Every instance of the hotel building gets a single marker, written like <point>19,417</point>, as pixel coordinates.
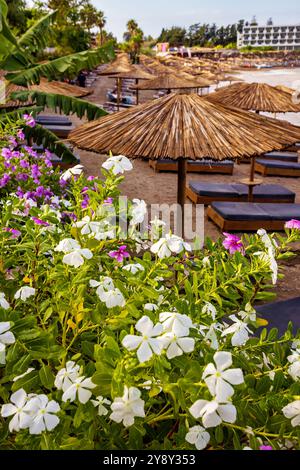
<point>279,37</point>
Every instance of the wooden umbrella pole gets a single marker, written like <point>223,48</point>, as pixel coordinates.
<point>118,93</point>
<point>251,187</point>
<point>137,91</point>
<point>181,183</point>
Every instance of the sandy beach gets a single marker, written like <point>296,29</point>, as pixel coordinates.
<point>156,188</point>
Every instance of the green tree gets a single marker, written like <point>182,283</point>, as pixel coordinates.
<point>101,22</point>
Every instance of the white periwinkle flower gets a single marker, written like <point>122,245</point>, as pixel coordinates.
<point>66,377</point>
<point>44,415</point>
<point>150,307</point>
<point>87,225</point>
<point>74,254</point>
<point>249,314</point>
<point>198,436</point>
<point>213,412</point>
<point>292,411</point>
<point>176,345</point>
<point>24,293</point>
<point>269,259</point>
<point>76,258</point>
<point>210,309</point>
<point>6,337</point>
<point>108,293</point>
<point>147,343</point>
<point>127,407</point>
<point>239,330</point>
<point>133,268</point>
<point>100,402</point>
<point>269,243</point>
<point>81,387</point>
<point>138,211</point>
<point>294,359</point>
<point>67,245</point>
<point>21,408</point>
<point>118,164</point>
<point>156,226</point>
<point>164,247</point>
<point>219,378</point>
<point>74,171</point>
<point>175,322</point>
<point>3,302</point>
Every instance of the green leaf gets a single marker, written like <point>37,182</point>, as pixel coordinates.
<point>68,65</point>
<point>46,377</point>
<point>65,104</point>
<point>37,35</point>
<point>30,382</point>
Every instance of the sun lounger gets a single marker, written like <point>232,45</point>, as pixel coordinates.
<point>281,156</point>
<point>53,120</point>
<point>55,159</point>
<point>284,156</point>
<point>60,131</point>
<point>194,166</point>
<point>277,168</point>
<point>279,314</point>
<point>245,216</point>
<point>206,193</point>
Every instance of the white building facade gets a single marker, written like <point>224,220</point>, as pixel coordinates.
<point>279,37</point>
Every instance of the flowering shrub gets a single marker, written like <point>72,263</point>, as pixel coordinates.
<point>103,346</point>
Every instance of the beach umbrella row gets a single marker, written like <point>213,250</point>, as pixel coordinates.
<point>182,127</point>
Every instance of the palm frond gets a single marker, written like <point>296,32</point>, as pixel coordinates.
<point>37,36</point>
<point>6,115</point>
<point>5,31</point>
<point>42,136</point>
<point>66,104</point>
<point>68,65</point>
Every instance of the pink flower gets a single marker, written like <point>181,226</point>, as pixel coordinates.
<point>29,120</point>
<point>119,254</point>
<point>21,135</point>
<point>265,448</point>
<point>293,223</point>
<point>109,200</point>
<point>14,233</point>
<point>233,243</point>
<point>40,222</point>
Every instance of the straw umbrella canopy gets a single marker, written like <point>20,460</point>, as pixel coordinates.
<point>182,127</point>
<point>286,89</point>
<point>170,81</point>
<point>256,97</point>
<point>137,73</point>
<point>121,64</point>
<point>59,88</point>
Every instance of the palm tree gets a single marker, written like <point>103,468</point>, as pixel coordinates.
<point>101,22</point>
<point>18,63</point>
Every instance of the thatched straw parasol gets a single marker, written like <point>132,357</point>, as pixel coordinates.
<point>137,73</point>
<point>170,81</point>
<point>59,88</point>
<point>121,64</point>
<point>182,127</point>
<point>286,89</point>
<point>256,97</point>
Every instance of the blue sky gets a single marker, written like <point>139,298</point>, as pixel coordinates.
<point>152,15</point>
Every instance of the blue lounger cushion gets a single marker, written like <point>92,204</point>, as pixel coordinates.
<point>278,164</point>
<point>279,314</point>
<point>280,154</point>
<point>199,162</point>
<point>272,191</point>
<point>59,120</point>
<point>256,211</point>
